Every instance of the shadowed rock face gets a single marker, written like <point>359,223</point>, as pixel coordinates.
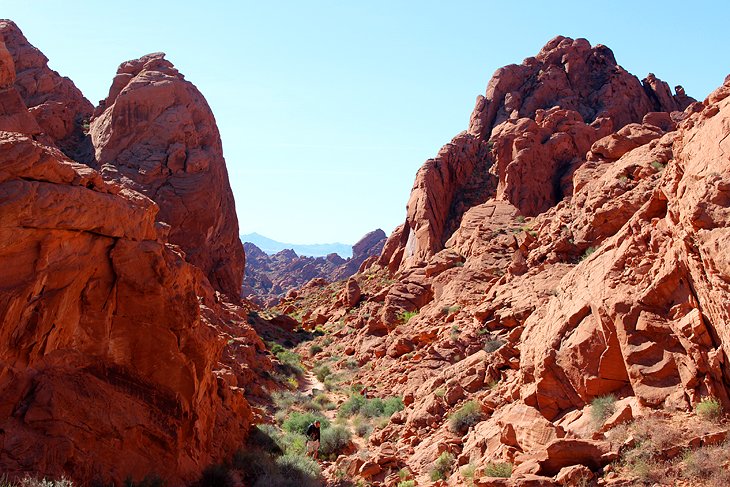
<point>526,136</point>
<point>155,134</point>
<point>59,108</point>
<point>117,357</point>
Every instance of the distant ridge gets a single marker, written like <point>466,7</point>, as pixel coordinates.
<point>271,246</point>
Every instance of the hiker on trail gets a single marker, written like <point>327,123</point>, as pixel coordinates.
<point>364,392</point>
<point>313,440</point>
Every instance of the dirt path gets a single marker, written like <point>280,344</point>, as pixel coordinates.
<point>309,383</point>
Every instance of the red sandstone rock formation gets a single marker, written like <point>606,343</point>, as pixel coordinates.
<point>117,358</point>
<point>59,108</point>
<point>527,135</point>
<point>589,260</point>
<point>269,278</point>
<point>155,134</point>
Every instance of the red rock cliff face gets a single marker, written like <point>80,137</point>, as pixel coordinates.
<point>617,285</point>
<point>117,359</point>
<point>156,134</point>
<point>527,135</point>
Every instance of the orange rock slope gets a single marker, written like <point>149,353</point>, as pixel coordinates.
<point>112,332</point>
<point>569,245</point>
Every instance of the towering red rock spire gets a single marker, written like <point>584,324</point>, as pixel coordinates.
<point>156,134</point>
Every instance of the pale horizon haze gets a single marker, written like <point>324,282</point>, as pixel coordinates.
<point>328,108</point>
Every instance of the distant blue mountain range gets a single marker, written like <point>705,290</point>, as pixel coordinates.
<point>315,250</point>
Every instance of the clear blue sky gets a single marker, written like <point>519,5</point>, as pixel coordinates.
<point>328,108</point>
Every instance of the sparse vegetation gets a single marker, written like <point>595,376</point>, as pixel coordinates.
<point>468,472</point>
<point>493,345</point>
<point>407,483</point>
<point>440,392</point>
<point>297,422</point>
<point>334,440</point>
<point>29,481</point>
<point>709,408</point>
<point>588,252</point>
<point>601,408</point>
<point>405,316</point>
<point>442,466</point>
<point>370,408</point>
<point>321,372</point>
<point>468,415</point>
<point>499,469</point>
<point>658,166</point>
<point>315,349</point>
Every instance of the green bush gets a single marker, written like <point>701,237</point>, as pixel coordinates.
<point>372,408</point>
<point>405,316</point>
<point>298,422</point>
<point>324,402</point>
<point>709,408</point>
<point>293,443</point>
<point>407,483</point>
<point>362,428</point>
<point>352,406</point>
<point>291,361</point>
<point>315,349</point>
<point>503,469</point>
<point>601,408</point>
<point>442,466</point>
<point>469,415</point>
<point>321,372</point>
<point>392,405</point>
<point>334,440</point>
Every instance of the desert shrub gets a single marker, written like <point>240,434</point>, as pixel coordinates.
<point>324,402</point>
<point>34,482</point>
<point>315,349</point>
<point>493,345</point>
<point>321,372</point>
<point>372,408</point>
<point>405,316</point>
<point>362,427</point>
<point>709,409</point>
<point>407,483</point>
<point>290,361</point>
<point>469,415</point>
<point>500,469</point>
<point>601,408</point>
<point>331,383</point>
<point>588,252</point>
<point>334,440</point>
<point>298,422</point>
<point>442,466</point>
<point>352,406</point>
<point>658,165</point>
<point>293,443</point>
<point>440,392</point>
<point>468,471</point>
<point>216,476</point>
<point>392,405</point>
